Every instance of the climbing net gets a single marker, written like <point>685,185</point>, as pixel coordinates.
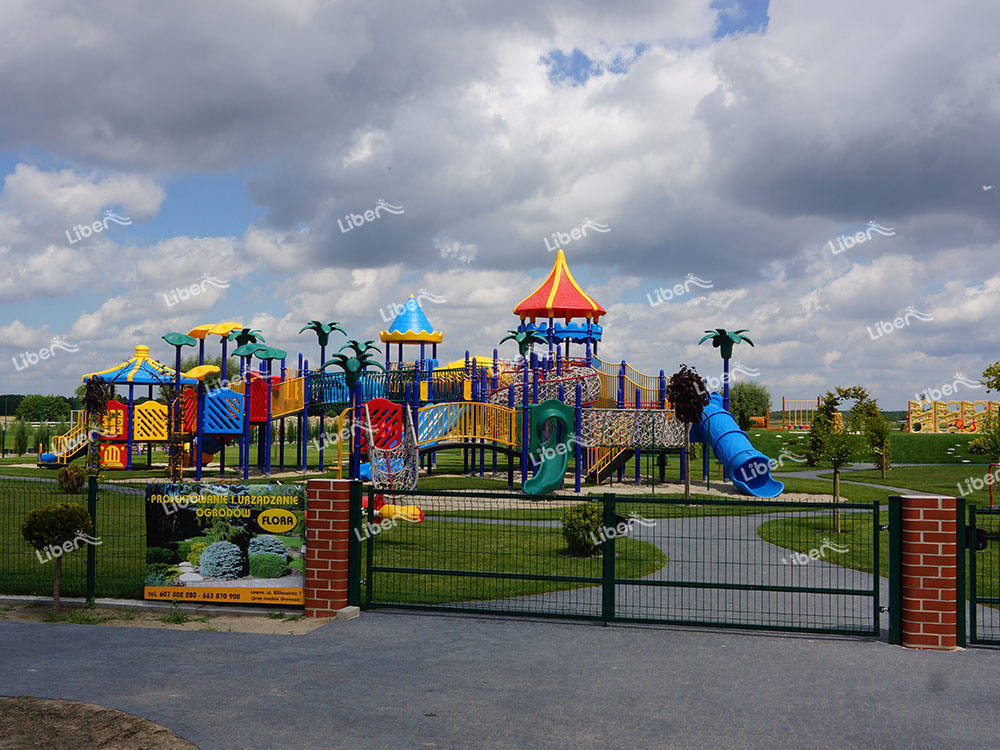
<point>627,428</point>
<point>393,467</point>
<point>587,377</point>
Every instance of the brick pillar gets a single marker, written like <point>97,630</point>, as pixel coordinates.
<point>930,601</point>
<point>327,538</point>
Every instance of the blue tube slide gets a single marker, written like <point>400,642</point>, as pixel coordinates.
<point>749,468</point>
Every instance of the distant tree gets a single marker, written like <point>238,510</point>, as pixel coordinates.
<point>21,437</point>
<point>991,377</point>
<point>987,440</point>
<point>687,395</point>
<point>41,438</point>
<point>47,408</point>
<point>748,400</point>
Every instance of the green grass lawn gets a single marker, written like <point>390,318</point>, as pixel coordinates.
<point>504,548</point>
<point>808,533</point>
<point>805,534</point>
<point>121,526</point>
<point>941,480</point>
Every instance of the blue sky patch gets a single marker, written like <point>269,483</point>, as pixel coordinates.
<point>740,17</point>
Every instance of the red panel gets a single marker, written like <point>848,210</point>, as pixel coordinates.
<point>387,424</point>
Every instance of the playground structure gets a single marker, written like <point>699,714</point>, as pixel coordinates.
<point>535,411</point>
<point>797,415</point>
<point>948,416</point>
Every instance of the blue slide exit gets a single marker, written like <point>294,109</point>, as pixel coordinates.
<point>749,468</point>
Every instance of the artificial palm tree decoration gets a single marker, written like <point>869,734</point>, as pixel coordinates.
<point>524,339</point>
<point>323,331</point>
<point>244,336</point>
<point>724,341</point>
<point>353,367</point>
<point>175,461</point>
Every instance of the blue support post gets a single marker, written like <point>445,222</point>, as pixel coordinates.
<point>558,363</point>
<point>524,428</point>
<point>199,428</point>
<point>304,432</point>
<point>267,425</point>
<point>482,442</point>
<point>577,431</point>
<point>638,407</point>
<point>130,431</point>
<point>590,338</point>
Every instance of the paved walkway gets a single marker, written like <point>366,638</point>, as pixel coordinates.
<point>402,680</point>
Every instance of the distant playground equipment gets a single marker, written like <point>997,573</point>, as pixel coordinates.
<point>393,419</point>
<point>948,416</point>
<point>797,415</point>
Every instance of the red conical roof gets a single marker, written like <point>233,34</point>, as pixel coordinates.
<point>559,296</point>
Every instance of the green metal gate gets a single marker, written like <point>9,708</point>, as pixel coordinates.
<point>984,575</point>
<point>774,565</point>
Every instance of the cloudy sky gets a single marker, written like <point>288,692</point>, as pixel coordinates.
<point>718,154</point>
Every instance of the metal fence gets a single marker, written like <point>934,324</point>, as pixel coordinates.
<point>119,558</point>
<point>755,564</point>
<point>984,575</point>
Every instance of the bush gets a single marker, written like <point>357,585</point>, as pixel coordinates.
<point>224,531</point>
<point>267,565</point>
<point>71,478</point>
<point>221,560</point>
<point>748,400</point>
<point>21,437</point>
<point>55,524</point>
<point>581,525</point>
<point>41,441</point>
<point>160,555</point>
<point>195,550</point>
<point>267,543</point>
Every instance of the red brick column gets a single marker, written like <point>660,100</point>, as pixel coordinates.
<point>327,534</point>
<point>929,572</point>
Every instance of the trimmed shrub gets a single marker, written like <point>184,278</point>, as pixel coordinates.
<point>160,555</point>
<point>54,524</point>
<point>224,531</point>
<point>195,550</point>
<point>71,478</point>
<point>267,565</point>
<point>267,543</point>
<point>221,560</point>
<point>581,525</point>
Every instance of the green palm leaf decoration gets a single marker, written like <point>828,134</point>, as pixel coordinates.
<point>180,339</point>
<point>323,330</point>
<point>354,366</point>
<point>244,336</point>
<point>248,350</point>
<point>724,340</point>
<point>524,340</point>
